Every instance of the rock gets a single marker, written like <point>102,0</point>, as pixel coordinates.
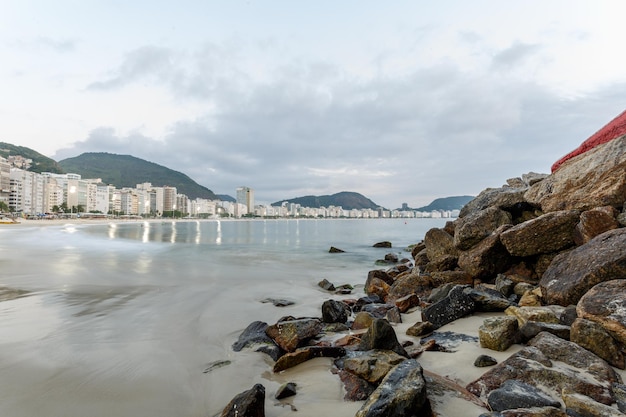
<point>605,304</point>
<point>420,328</point>
<point>498,333</point>
<point>530,329</point>
<point>475,227</point>
<point>531,298</point>
<point>544,314</point>
<point>439,244</point>
<point>573,273</point>
<point>293,333</point>
<point>407,302</point>
<point>621,219</point>
<point>384,244</point>
<point>594,179</point>
<point>288,389</point>
<point>401,394</point>
<point>528,412</point>
<point>413,283</point>
<point>357,389</point>
<point>391,258</point>
<point>326,285</point>
<point>370,299</point>
<point>456,305</point>
<point>278,302</point>
<point>568,316</point>
<point>421,258</point>
<point>488,258</point>
<point>483,361</point>
<point>579,405</point>
<point>594,222</point>
<point>362,320</point>
<point>504,285</point>
<point>451,277</point>
<point>417,248</point>
<point>593,337</point>
<point>378,310</point>
<point>504,198</point>
<point>516,394</point>
<point>373,365</point>
<point>335,250</point>
<point>334,311</point>
<point>619,392</point>
<point>447,341</point>
<point>250,403</point>
<point>291,359</point>
<point>545,234</point>
<point>380,335</point>
<point>552,364</point>
<point>253,334</point>
<point>376,286</point>
<point>487,299</point>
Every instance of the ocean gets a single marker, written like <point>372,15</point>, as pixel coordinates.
<point>138,319</point>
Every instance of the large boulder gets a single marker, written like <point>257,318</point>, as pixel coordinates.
<point>458,303</point>
<point>572,274</point>
<point>553,364</point>
<point>593,179</point>
<point>605,304</point>
<point>593,337</point>
<point>380,335</point>
<point>504,198</point>
<point>595,222</point>
<point>402,393</point>
<point>439,245</point>
<point>473,228</point>
<point>516,394</point>
<point>487,258</point>
<point>372,365</point>
<point>545,234</point>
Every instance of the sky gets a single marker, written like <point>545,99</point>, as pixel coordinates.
<point>401,101</point>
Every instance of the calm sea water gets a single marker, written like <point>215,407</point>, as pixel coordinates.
<point>133,319</point>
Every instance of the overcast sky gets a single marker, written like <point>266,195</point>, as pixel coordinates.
<point>401,101</point>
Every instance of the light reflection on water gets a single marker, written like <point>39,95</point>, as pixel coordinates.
<point>122,319</point>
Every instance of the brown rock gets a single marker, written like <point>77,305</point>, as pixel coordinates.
<point>357,389</point>
<point>420,328</point>
<point>487,258</point>
<point>594,179</point>
<point>362,320</point>
<point>293,333</point>
<point>473,228</point>
<point>372,366</point>
<point>545,314</point>
<point>376,286</point>
<point>413,283</point>
<point>504,198</point>
<point>553,364</point>
<point>439,279</point>
<point>250,403</point>
<point>407,302</point>
<point>417,248</point>
<point>498,333</point>
<point>289,360</point>
<point>380,335</point>
<point>421,258</point>
<point>443,263</point>
<point>594,222</point>
<point>439,244</point>
<point>581,405</point>
<point>545,234</point>
<point>605,304</point>
<point>573,273</point>
<point>594,338</point>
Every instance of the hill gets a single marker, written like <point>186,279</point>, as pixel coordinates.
<point>128,171</point>
<point>347,200</point>
<point>41,163</point>
<point>447,203</point>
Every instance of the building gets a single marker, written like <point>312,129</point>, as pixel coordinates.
<point>169,199</point>
<point>245,196</point>
<point>5,180</point>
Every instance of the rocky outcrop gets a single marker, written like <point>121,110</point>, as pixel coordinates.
<point>555,364</point>
<point>572,274</point>
<point>595,178</point>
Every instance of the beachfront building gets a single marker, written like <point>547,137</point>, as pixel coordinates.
<point>169,199</point>
<point>245,196</point>
<point>5,180</point>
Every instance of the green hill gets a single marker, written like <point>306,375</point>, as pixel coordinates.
<point>128,171</point>
<point>40,164</point>
<point>447,203</point>
<point>347,200</point>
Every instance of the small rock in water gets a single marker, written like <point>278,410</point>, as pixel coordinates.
<point>278,302</point>
<point>214,365</point>
<point>384,244</point>
<point>335,250</point>
<point>326,285</point>
<point>288,389</point>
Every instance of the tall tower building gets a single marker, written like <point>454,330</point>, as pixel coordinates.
<point>245,195</point>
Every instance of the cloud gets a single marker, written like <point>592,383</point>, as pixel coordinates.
<point>515,55</point>
<point>309,127</point>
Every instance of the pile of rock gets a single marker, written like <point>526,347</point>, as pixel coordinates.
<point>545,253</point>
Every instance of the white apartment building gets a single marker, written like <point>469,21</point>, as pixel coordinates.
<point>5,180</point>
<point>245,196</point>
